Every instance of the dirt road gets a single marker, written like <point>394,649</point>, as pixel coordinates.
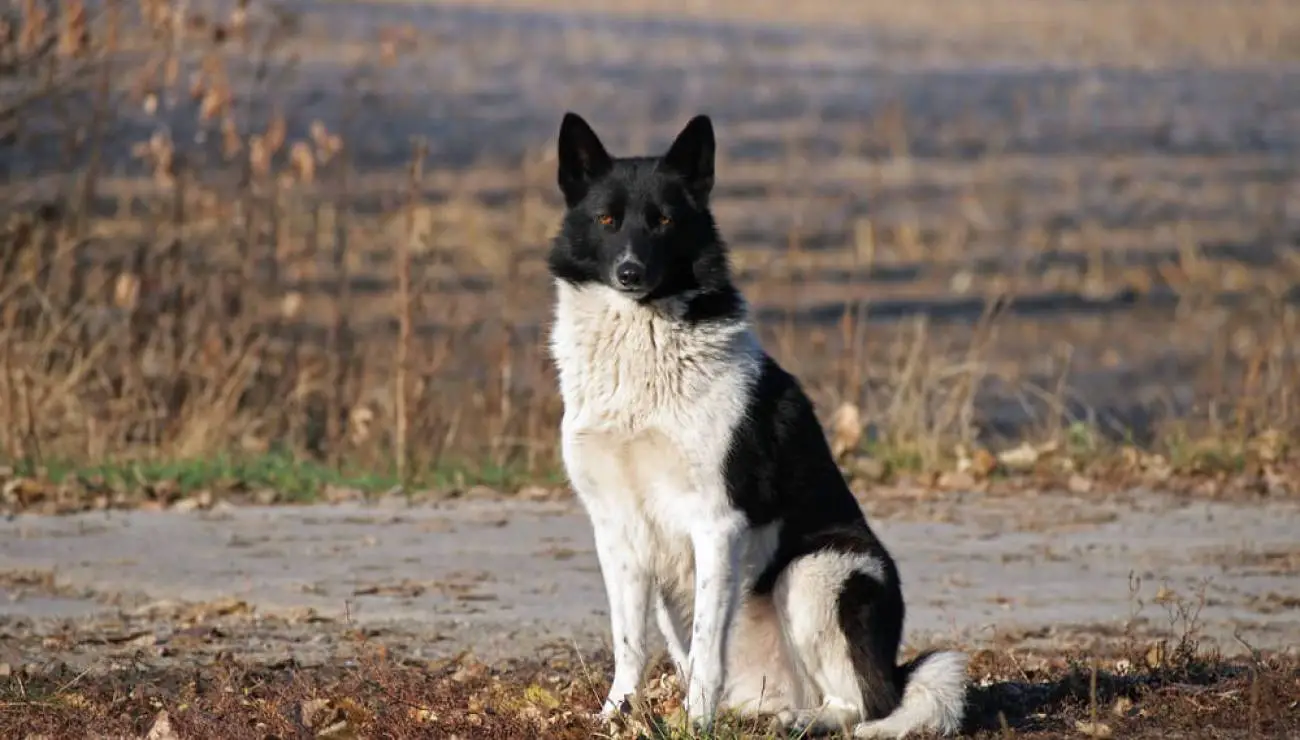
<point>509,578</point>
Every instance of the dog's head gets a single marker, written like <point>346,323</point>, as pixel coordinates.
<point>640,225</point>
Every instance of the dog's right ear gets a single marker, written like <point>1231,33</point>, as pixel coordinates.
<point>582,158</point>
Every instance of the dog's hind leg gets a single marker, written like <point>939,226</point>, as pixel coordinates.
<point>759,677</point>
<point>838,618</point>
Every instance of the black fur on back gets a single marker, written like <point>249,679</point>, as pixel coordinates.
<point>780,467</point>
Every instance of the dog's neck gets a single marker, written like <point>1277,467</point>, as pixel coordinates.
<point>599,311</point>
<point>616,352</point>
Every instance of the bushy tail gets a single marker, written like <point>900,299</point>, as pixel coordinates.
<point>934,698</point>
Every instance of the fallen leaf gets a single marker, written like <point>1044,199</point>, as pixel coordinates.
<point>1093,729</point>
<point>541,697</point>
<point>983,463</point>
<point>162,728</point>
<point>1078,484</point>
<point>870,469</point>
<point>313,713</point>
<point>955,481</point>
<point>1123,707</point>
<point>1269,445</point>
<point>846,429</point>
<point>1022,457</point>
<point>535,493</point>
<point>166,490</point>
<point>26,491</point>
<point>422,715</point>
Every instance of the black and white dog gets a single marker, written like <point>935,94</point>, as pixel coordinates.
<point>712,491</point>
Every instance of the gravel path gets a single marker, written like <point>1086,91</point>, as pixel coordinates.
<point>507,578</point>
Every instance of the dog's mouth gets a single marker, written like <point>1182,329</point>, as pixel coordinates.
<point>635,293</point>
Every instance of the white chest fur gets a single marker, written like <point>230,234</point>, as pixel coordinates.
<point>649,401</point>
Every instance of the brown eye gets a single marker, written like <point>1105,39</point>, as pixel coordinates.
<point>605,220</point>
<point>664,221</point>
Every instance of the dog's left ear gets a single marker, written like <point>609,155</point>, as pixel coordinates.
<point>582,157</point>
<point>691,156</point>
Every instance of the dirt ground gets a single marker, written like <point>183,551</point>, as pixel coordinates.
<point>503,578</point>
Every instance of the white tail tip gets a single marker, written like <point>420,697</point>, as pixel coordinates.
<point>934,700</point>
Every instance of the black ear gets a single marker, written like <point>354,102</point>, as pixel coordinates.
<point>691,155</point>
<point>582,158</point>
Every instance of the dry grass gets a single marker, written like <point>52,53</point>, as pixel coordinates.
<point>242,304</point>
<point>1012,695</point>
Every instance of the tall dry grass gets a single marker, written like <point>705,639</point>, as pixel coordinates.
<point>173,328</point>
<point>175,318</point>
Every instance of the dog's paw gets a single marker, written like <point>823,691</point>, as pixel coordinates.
<point>809,723</point>
<point>614,709</point>
<point>701,706</point>
<point>701,723</point>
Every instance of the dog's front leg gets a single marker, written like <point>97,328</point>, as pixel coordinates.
<point>718,545</point>
<point>628,581</point>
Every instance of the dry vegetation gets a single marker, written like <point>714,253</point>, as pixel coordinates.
<point>1156,690</point>
<point>261,297</point>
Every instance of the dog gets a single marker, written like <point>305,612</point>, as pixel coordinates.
<point>711,489</point>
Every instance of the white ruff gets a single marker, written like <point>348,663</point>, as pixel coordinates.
<point>628,367</point>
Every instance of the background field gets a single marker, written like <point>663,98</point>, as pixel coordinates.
<point>257,252</point>
<point>217,242</point>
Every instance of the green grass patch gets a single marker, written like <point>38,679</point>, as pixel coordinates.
<point>294,479</point>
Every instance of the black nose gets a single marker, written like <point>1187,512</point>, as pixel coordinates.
<point>630,274</point>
